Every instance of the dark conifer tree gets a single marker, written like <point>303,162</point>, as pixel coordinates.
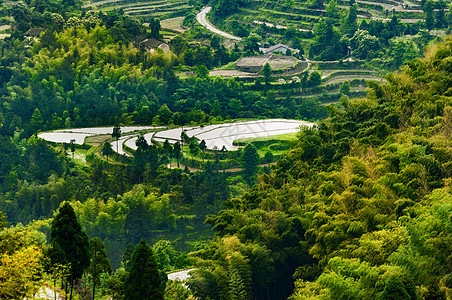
<point>99,262</point>
<point>250,160</point>
<point>66,234</point>
<point>143,281</point>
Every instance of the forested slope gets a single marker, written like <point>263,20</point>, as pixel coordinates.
<point>360,209</point>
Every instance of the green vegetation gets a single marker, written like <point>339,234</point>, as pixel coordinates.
<point>359,207</point>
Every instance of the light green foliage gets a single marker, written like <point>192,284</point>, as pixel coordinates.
<point>21,260</point>
<point>174,290</point>
<point>363,44</point>
<point>135,212</point>
<point>345,87</point>
<point>366,196</point>
<point>164,254</point>
<point>233,269</point>
<point>332,10</point>
<point>403,50</point>
<point>201,71</point>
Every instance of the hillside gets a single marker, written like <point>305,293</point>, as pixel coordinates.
<point>358,206</point>
<point>359,209</point>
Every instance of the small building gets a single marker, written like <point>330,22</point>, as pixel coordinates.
<point>34,32</point>
<point>151,44</point>
<point>277,48</point>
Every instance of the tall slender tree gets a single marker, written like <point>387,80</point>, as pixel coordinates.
<point>143,281</point>
<point>250,160</point>
<point>116,134</point>
<point>67,235</point>
<point>99,262</point>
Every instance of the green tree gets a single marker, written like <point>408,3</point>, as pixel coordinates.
<point>251,43</point>
<point>363,44</point>
<point>394,290</point>
<point>116,134</point>
<point>143,281</point>
<point>99,262</point>
<point>315,79</point>
<point>154,26</point>
<point>107,150</point>
<point>332,10</point>
<point>67,234</point>
<point>36,121</point>
<point>127,257</point>
<point>250,160</point>
<point>345,87</point>
<point>177,152</point>
<point>267,73</point>
<point>164,254</point>
<point>201,71</point>
<point>178,45</point>
<point>350,24</point>
<point>429,8</point>
<point>164,114</point>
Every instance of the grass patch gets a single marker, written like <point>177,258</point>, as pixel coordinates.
<point>278,145</point>
<point>267,139</point>
<point>229,66</point>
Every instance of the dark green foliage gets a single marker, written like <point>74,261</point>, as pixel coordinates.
<point>99,263</point>
<point>107,150</point>
<point>394,290</point>
<point>327,45</point>
<point>143,281</point>
<point>127,257</point>
<point>250,160</point>
<point>224,8</point>
<point>70,242</point>
<point>266,72</point>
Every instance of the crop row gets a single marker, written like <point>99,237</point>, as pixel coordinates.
<point>162,7</point>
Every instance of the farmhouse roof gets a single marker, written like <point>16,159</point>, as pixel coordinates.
<point>34,32</point>
<point>151,44</point>
<point>273,48</point>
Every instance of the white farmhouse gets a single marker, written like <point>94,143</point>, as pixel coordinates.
<point>277,48</point>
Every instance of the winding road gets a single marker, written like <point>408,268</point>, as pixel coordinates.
<point>201,18</point>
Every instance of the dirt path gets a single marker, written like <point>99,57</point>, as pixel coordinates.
<point>98,3</point>
<point>232,73</point>
<point>201,18</point>
<point>232,170</point>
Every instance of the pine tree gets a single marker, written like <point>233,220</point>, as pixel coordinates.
<point>36,121</point>
<point>267,73</point>
<point>126,261</point>
<point>99,262</point>
<point>66,234</point>
<point>250,160</point>
<point>143,281</point>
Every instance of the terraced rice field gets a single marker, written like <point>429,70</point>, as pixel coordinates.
<point>299,15</point>
<point>155,8</point>
<point>174,24</point>
<point>335,76</point>
<point>80,134</point>
<point>216,136</point>
<point>219,135</point>
<point>276,62</point>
